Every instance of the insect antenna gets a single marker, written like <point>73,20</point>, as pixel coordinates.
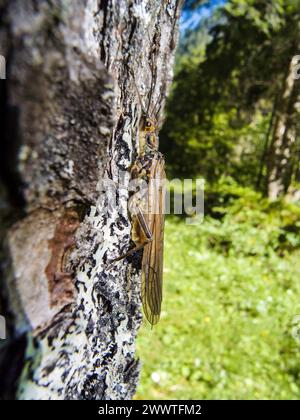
<point>144,111</point>
<point>153,67</point>
<point>151,92</point>
<point>153,74</point>
<point>157,106</point>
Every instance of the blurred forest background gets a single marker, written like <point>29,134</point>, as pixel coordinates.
<point>231,284</point>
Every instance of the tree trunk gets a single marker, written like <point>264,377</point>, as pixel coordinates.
<point>76,74</point>
<point>284,132</point>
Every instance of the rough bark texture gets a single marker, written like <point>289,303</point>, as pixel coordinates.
<point>71,114</point>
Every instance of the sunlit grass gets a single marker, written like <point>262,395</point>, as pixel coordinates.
<point>225,330</point>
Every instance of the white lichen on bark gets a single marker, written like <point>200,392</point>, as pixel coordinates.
<point>73,68</point>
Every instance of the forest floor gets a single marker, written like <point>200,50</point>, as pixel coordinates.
<point>228,329</point>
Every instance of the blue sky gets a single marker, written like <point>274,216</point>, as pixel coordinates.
<point>189,20</point>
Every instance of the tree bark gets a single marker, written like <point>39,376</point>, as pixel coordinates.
<point>284,134</point>
<point>76,73</point>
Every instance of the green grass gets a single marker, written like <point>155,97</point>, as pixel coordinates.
<point>231,292</point>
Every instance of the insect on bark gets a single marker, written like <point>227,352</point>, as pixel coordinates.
<point>146,207</point>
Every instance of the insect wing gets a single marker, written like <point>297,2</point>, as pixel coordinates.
<point>152,265</point>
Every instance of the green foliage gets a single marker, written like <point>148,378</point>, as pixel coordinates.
<point>250,225</point>
<point>231,295</point>
<point>228,74</point>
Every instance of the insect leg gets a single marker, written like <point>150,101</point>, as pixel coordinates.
<point>147,238</point>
